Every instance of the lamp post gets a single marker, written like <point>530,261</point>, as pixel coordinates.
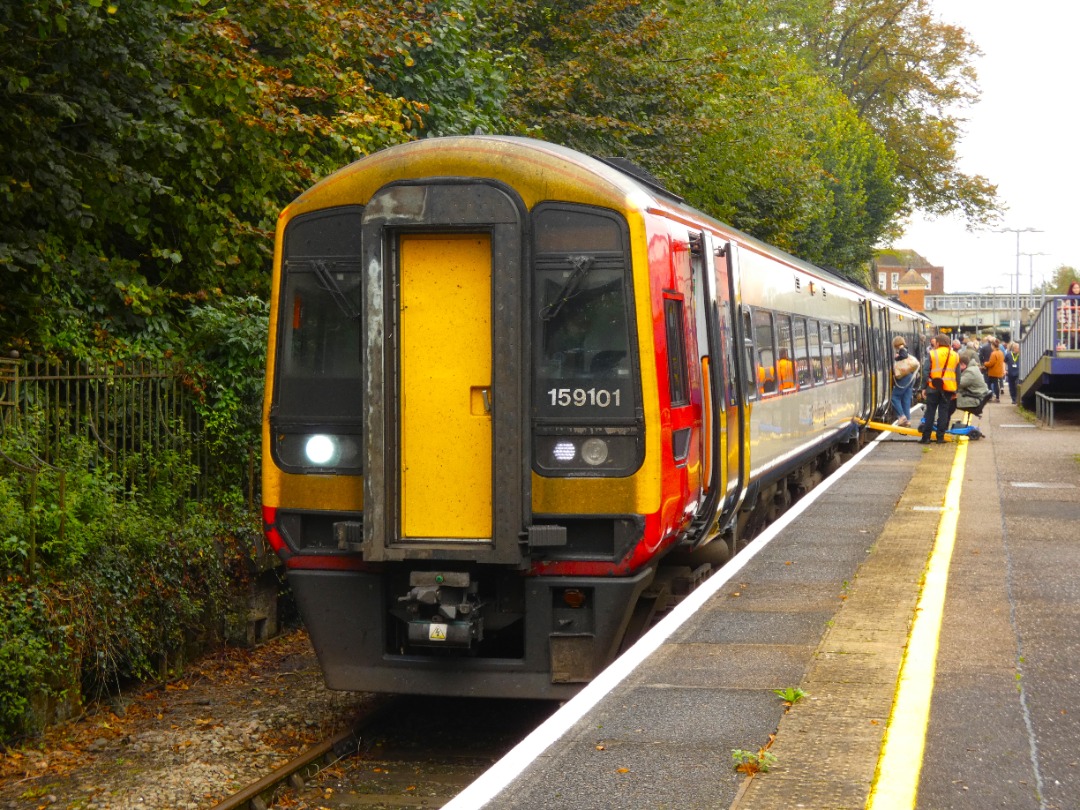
<point>1031,270</point>
<point>1017,231</point>
<point>993,307</point>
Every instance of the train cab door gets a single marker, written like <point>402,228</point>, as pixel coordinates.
<point>445,463</point>
<point>445,399</point>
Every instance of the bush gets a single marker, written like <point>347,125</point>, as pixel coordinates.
<point>118,579</point>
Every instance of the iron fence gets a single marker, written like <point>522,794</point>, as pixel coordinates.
<point>126,412</point>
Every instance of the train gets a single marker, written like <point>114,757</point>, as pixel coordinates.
<point>509,386</point>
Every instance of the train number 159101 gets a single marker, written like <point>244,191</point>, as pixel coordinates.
<point>582,397</point>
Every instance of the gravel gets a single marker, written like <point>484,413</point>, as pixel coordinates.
<point>186,745</point>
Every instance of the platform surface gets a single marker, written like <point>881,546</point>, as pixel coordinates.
<point>972,709</point>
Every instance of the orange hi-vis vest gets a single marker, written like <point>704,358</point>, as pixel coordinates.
<point>785,371</point>
<point>943,361</point>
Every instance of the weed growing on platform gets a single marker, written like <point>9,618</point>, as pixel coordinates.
<point>791,695</point>
<point>752,762</point>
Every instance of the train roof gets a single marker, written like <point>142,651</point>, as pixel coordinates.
<point>554,169</point>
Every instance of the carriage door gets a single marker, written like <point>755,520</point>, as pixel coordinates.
<point>445,386</point>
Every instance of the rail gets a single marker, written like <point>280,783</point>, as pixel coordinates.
<point>1056,329</point>
<point>1044,406</point>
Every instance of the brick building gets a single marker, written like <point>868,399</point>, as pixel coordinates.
<point>891,274</point>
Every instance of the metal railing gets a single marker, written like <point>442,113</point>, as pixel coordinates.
<point>123,410</point>
<point>1056,329</point>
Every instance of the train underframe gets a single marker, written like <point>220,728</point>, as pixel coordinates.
<point>403,628</point>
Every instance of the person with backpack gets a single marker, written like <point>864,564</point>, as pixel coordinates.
<point>905,372</point>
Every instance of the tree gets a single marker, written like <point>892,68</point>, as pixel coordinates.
<point>907,75</point>
<point>151,144</point>
<point>1058,283</point>
<point>587,74</point>
<point>780,152</point>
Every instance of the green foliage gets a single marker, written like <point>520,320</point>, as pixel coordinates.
<point>105,575</point>
<point>226,343</point>
<point>790,694</point>
<point>33,649</point>
<point>908,77</point>
<point>1059,281</point>
<point>150,145</point>
<point>752,762</point>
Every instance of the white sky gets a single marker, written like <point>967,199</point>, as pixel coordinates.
<point>1023,136</point>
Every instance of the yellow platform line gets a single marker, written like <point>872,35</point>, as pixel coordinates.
<point>896,780</point>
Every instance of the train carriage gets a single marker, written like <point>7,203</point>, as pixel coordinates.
<point>505,380</point>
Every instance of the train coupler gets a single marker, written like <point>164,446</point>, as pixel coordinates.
<point>443,610</point>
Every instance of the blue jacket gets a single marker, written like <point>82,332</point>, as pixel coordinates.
<point>1012,364</point>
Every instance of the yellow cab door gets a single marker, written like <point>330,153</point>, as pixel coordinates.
<point>445,376</point>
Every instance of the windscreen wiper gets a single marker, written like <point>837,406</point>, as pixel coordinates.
<point>582,265</point>
<point>327,281</point>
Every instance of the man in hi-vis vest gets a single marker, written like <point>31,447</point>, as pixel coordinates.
<point>940,387</point>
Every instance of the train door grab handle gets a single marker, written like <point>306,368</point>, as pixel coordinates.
<point>486,394</point>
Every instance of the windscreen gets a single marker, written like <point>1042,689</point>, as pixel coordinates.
<point>584,366</point>
<point>319,365</point>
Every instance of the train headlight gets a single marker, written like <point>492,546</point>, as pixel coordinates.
<point>594,452</point>
<point>600,454</point>
<point>321,449</point>
<point>333,453</point>
<point>564,451</point>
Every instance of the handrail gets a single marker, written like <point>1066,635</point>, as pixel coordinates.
<point>1055,329</point>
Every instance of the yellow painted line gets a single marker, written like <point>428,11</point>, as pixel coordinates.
<point>896,781</point>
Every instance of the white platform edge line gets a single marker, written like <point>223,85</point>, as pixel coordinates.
<point>490,783</point>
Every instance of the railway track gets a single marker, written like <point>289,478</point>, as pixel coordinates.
<point>406,752</point>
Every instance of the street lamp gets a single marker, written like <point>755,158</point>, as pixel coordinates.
<point>1017,231</point>
<point>993,307</point>
<point>1031,270</point>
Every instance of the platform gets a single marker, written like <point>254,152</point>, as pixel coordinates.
<point>925,602</point>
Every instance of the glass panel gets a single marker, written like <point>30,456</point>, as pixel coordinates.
<point>583,360</point>
<point>785,366</point>
<point>802,353</point>
<point>828,360</point>
<point>319,365</point>
<point>813,339</point>
<point>766,353</point>
<point>673,315</point>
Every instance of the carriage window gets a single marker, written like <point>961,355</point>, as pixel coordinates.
<point>802,353</point>
<point>754,389</point>
<point>319,368</point>
<point>676,347</point>
<point>840,353</point>
<point>785,365</point>
<point>856,349</point>
<point>828,361</point>
<point>766,352</point>
<point>813,339</point>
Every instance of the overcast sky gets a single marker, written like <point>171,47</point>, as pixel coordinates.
<point>1023,136</point>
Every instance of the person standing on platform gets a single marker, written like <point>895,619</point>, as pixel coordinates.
<point>994,369</point>
<point>903,383</point>
<point>985,350</point>
<point>1069,317</point>
<point>940,387</point>
<point>1012,370</point>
